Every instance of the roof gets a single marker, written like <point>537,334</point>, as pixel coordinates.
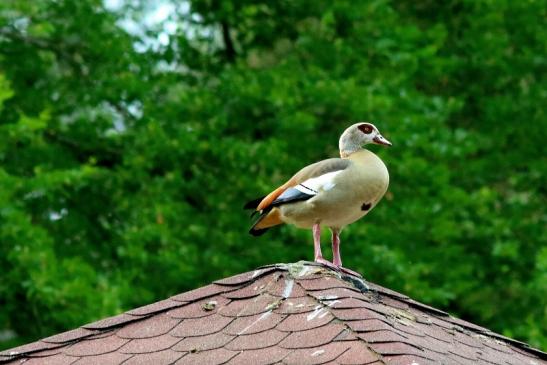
<point>298,313</point>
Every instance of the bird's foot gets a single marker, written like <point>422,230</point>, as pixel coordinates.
<point>350,272</point>
<point>326,263</point>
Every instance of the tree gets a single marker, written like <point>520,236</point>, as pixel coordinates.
<point>124,162</point>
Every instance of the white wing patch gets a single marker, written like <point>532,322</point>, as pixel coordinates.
<point>320,183</point>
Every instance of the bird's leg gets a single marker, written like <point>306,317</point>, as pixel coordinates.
<point>317,242</point>
<point>318,256</point>
<point>336,257</point>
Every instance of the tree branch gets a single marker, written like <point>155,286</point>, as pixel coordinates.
<point>229,49</point>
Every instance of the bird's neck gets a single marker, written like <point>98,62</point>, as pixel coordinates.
<point>347,153</point>
<point>348,146</point>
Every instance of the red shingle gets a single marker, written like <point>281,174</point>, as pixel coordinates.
<point>384,310</point>
<point>312,338</point>
<point>155,307</point>
<point>166,357</point>
<point>144,345</point>
<point>358,354</point>
<point>318,355</point>
<point>414,329</point>
<point>197,327</point>
<point>498,346</point>
<point>394,303</point>
<point>250,291</point>
<point>461,358</point>
<point>305,321</point>
<point>111,322</point>
<point>251,342</point>
<point>382,336</point>
<point>205,292</point>
<point>357,314</point>
<point>199,309</point>
<point>268,284</point>
<point>369,325</point>
<point>286,288</point>
<point>249,307</point>
<point>490,355</point>
<point>95,347</point>
<point>266,356</point>
<point>29,348</point>
<point>442,321</point>
<point>101,334</point>
<point>59,359</point>
<point>345,303</point>
<point>69,336</point>
<point>203,343</point>
<point>254,324</point>
<point>111,358</point>
<point>297,305</point>
<point>325,282</point>
<point>246,277</point>
<point>396,348</point>
<point>434,331</point>
<point>469,353</point>
<point>337,293</point>
<point>410,360</point>
<point>433,345</point>
<point>417,315</point>
<point>302,314</point>
<point>467,339</point>
<point>53,351</point>
<point>212,357</point>
<point>150,327</point>
<point>311,272</point>
<point>346,335</point>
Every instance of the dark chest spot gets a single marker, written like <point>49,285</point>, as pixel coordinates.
<point>366,206</point>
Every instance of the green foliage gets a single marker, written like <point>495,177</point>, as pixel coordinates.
<point>124,161</point>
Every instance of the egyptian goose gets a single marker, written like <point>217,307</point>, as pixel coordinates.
<point>332,193</point>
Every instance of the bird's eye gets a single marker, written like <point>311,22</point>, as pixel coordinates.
<point>365,128</point>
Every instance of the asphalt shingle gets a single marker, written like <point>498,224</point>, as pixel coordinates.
<point>288,313</point>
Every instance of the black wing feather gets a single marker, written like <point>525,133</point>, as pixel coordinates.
<point>291,195</point>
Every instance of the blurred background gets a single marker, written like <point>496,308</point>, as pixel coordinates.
<point>132,132</point>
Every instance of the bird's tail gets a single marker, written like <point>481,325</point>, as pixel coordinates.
<point>253,204</point>
<point>267,218</point>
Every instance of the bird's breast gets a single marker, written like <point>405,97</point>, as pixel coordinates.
<point>367,178</point>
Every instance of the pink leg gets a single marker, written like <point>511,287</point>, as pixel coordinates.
<point>317,247</point>
<point>336,258</point>
<point>317,242</point>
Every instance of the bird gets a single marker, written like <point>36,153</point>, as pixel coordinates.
<point>330,193</point>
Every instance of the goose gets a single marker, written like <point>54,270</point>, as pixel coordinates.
<point>330,193</point>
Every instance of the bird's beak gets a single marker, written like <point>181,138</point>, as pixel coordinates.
<point>379,139</point>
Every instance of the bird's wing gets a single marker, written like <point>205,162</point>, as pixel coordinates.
<point>306,182</point>
<point>306,189</point>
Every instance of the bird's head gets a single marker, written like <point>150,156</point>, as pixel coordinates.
<point>360,134</point>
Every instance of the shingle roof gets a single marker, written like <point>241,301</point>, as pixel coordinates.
<point>287,313</point>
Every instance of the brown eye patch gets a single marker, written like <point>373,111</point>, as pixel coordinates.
<point>365,128</point>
